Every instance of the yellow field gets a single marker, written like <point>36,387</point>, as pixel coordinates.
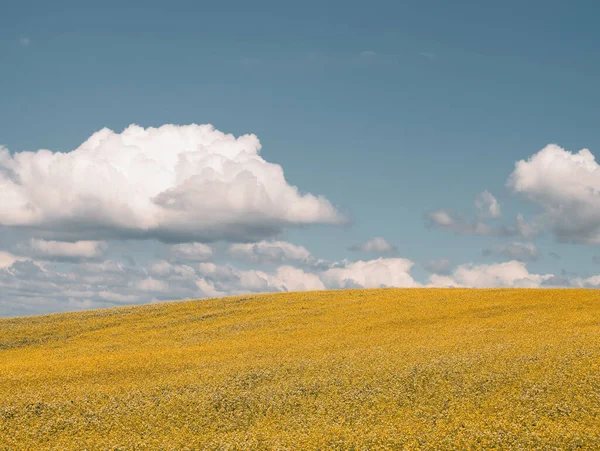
<point>358,369</point>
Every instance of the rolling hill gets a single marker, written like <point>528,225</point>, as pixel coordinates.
<point>356,369</point>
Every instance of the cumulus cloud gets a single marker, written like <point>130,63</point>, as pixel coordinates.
<point>64,250</point>
<point>377,245</point>
<point>487,205</point>
<point>191,252</point>
<point>270,252</point>
<point>382,272</point>
<point>566,186</point>
<point>508,274</point>
<point>173,183</point>
<point>514,250</point>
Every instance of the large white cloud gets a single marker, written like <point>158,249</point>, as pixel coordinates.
<point>174,183</point>
<point>382,272</point>
<point>566,186</point>
<point>507,274</point>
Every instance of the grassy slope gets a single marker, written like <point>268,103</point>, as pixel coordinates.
<point>359,369</point>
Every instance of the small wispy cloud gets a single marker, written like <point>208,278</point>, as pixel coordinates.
<point>428,55</point>
<point>368,54</point>
<point>376,245</point>
<point>24,41</point>
<point>515,251</point>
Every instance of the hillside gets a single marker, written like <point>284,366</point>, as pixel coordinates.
<point>357,369</point>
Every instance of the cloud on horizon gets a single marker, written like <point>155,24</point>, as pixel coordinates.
<point>192,185</point>
<point>513,274</point>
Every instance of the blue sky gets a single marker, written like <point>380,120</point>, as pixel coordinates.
<point>391,110</point>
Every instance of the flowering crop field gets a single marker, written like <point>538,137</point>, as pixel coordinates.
<point>358,369</point>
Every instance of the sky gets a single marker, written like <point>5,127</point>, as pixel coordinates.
<point>171,150</point>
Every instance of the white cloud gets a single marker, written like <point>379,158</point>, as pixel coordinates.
<point>150,284</point>
<point>527,229</point>
<point>443,281</point>
<point>294,279</point>
<point>508,274</point>
<point>29,286</point>
<point>25,41</point>
<point>230,280</point>
<point>174,183</point>
<point>566,186</point>
<point>487,205</point>
<point>589,282</point>
<point>442,218</point>
<point>191,252</point>
<point>382,272</point>
<point>377,245</point>
<point>161,268</point>
<point>164,269</point>
<point>7,259</point>
<point>515,250</point>
<point>64,250</point>
<point>487,208</point>
<point>447,220</point>
<point>270,252</point>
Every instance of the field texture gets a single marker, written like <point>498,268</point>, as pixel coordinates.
<point>358,369</point>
